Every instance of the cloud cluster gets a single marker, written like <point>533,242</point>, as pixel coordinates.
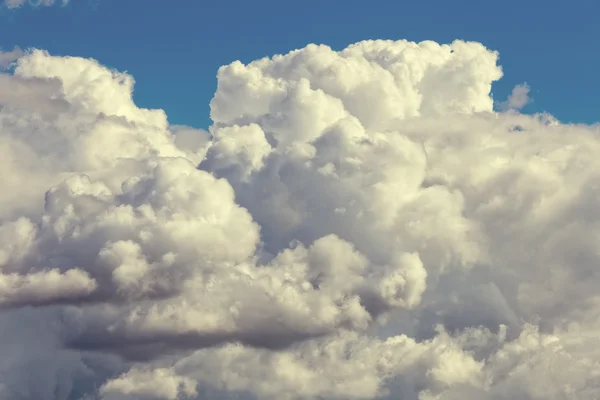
<point>357,224</point>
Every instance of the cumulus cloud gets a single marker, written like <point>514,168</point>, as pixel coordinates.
<point>355,224</point>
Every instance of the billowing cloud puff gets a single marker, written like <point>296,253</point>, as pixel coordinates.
<point>357,224</point>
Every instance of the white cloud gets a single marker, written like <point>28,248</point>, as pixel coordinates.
<point>34,3</point>
<point>357,224</point>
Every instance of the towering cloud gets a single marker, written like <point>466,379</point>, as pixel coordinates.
<point>357,224</point>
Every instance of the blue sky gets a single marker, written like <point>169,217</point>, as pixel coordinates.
<point>173,49</point>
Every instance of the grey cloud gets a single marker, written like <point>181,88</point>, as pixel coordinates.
<point>518,98</point>
<point>148,347</point>
<point>7,58</point>
<point>36,95</point>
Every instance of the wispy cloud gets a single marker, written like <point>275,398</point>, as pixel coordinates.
<point>34,3</point>
<point>518,98</point>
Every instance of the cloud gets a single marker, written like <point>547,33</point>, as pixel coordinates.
<point>355,224</point>
<point>17,92</point>
<point>518,98</point>
<point>34,3</point>
<point>7,58</point>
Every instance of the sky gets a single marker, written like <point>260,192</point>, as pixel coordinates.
<point>174,50</point>
<point>324,206</point>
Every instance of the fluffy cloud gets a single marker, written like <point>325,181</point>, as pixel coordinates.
<point>357,224</point>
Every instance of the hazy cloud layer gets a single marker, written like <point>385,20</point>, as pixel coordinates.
<point>356,225</point>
